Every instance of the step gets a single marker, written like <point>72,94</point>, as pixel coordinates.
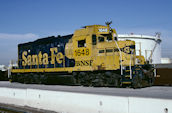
<point>127,70</point>
<point>126,82</point>
<point>127,76</point>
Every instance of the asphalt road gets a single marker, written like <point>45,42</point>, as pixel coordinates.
<point>149,92</point>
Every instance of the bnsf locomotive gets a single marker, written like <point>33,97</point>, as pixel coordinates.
<point>92,56</point>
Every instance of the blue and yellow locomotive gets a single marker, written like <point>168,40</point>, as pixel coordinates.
<point>92,56</point>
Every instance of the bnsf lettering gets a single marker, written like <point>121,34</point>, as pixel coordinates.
<point>42,58</point>
<point>84,63</point>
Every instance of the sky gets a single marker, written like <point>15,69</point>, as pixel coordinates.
<point>27,20</point>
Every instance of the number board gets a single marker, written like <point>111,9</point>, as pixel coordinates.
<point>82,52</point>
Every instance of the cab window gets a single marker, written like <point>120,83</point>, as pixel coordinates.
<point>82,43</point>
<point>101,39</point>
<point>94,42</point>
<point>109,38</point>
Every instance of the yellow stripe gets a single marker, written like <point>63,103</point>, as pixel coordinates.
<point>69,69</point>
<point>126,82</point>
<point>127,75</point>
<point>127,70</point>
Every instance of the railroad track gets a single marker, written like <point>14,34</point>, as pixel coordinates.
<point>4,108</point>
<point>9,110</point>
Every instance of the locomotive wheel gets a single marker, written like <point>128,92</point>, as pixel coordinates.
<point>98,80</point>
<point>116,80</point>
<point>44,78</point>
<point>81,77</point>
<point>112,79</point>
<point>137,82</point>
<point>77,78</point>
<point>148,81</point>
<point>108,78</point>
<point>151,81</point>
<point>26,79</point>
<point>87,81</point>
<point>84,79</point>
<point>20,78</point>
<point>36,78</point>
<point>74,77</point>
<point>14,78</point>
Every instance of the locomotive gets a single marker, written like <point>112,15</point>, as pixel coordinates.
<point>92,56</point>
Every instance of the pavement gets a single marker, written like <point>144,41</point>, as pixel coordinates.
<point>162,92</point>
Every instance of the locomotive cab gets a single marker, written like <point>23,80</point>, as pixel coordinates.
<point>95,47</point>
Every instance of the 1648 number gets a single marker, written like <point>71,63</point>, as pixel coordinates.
<point>82,52</point>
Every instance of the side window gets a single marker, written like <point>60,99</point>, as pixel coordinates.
<point>101,39</point>
<point>115,38</point>
<point>109,50</point>
<point>82,43</point>
<point>94,42</point>
<point>101,51</point>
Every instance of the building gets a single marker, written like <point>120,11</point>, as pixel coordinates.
<point>166,60</point>
<point>3,68</point>
<point>148,46</point>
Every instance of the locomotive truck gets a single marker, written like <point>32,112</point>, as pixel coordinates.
<point>92,56</point>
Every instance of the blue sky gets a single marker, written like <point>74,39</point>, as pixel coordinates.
<point>27,20</point>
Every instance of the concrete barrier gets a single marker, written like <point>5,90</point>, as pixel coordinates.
<point>68,102</point>
<point>13,96</point>
<point>149,105</point>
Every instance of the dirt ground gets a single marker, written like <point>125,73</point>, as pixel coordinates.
<point>164,77</point>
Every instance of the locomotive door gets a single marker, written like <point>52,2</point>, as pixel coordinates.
<point>109,58</point>
<point>82,53</point>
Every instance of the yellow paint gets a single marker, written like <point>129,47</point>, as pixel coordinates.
<point>88,55</point>
<point>126,82</point>
<point>29,60</point>
<point>40,58</point>
<point>141,59</point>
<point>34,59</point>
<point>56,56</point>
<point>59,58</point>
<point>24,62</point>
<point>53,50</point>
<point>45,59</point>
<point>41,70</point>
